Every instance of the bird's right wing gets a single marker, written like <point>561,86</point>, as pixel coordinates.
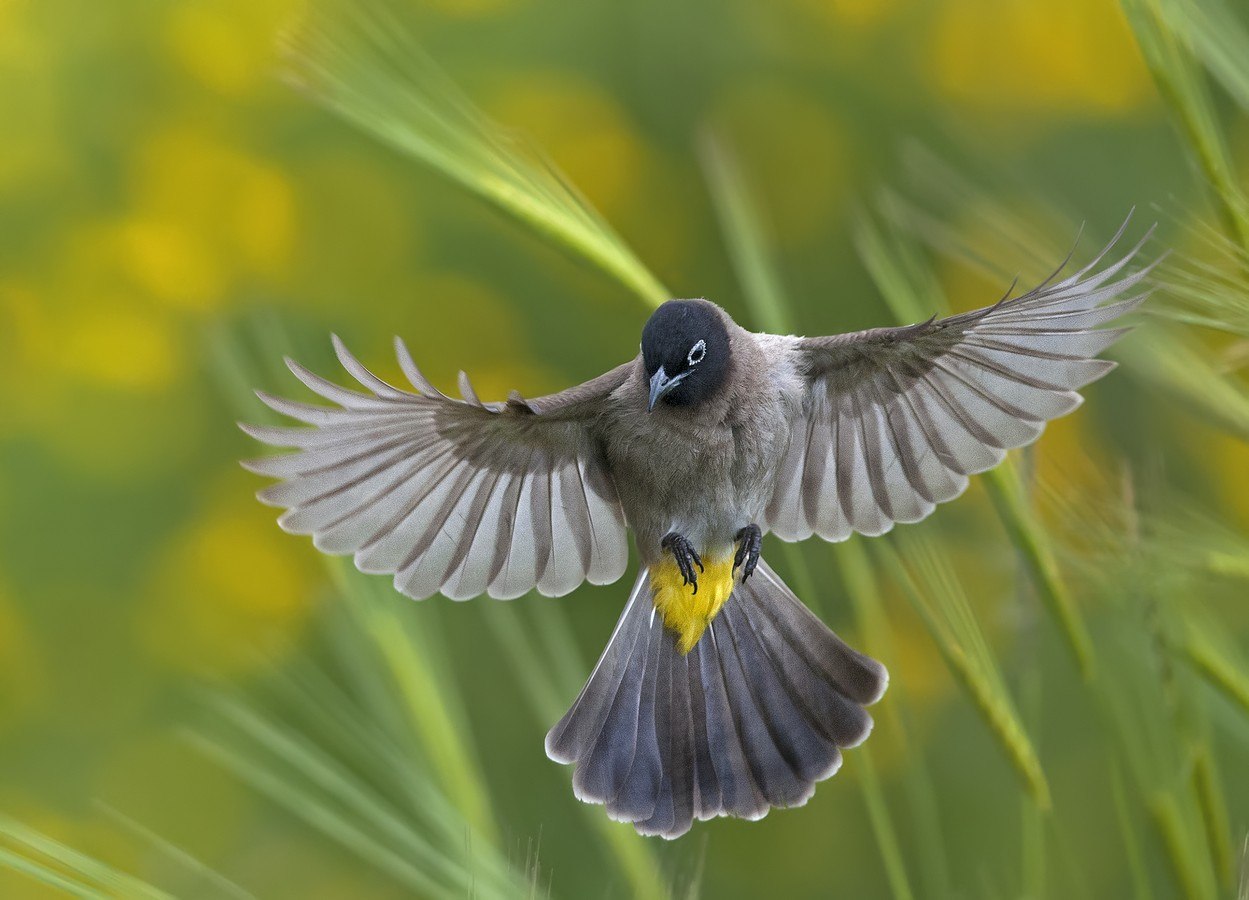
<point>895,419</point>
<point>450,496</point>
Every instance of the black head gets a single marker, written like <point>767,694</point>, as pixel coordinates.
<point>685,349</point>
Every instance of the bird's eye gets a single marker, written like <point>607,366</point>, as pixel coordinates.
<point>697,352</point>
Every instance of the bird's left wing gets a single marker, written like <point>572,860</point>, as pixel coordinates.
<point>453,496</point>
<point>895,419</point>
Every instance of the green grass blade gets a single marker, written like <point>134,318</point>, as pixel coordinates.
<point>428,697</point>
<point>1243,892</point>
<point>416,837</point>
<point>905,283</point>
<point>1214,666</point>
<point>1033,819</point>
<point>744,231</point>
<point>307,762</point>
<point>321,816</point>
<point>1213,807</point>
<point>855,570</point>
<point>344,730</point>
<point>19,862</point>
<point>1035,549</point>
<point>1215,37</point>
<point>547,696</point>
<point>224,886</point>
<point>1181,368</point>
<point>912,294</point>
<point>84,875</point>
<point>1209,292</point>
<point>1152,717</point>
<point>1180,81</point>
<point>938,599</point>
<point>1192,877</point>
<point>1131,839</point>
<point>364,63</point>
<point>883,828</point>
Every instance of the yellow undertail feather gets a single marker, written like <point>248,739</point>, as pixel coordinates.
<point>685,612</point>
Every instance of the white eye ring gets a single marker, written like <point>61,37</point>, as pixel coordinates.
<point>697,352</point>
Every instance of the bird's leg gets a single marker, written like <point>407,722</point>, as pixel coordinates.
<point>749,542</point>
<point>686,556</point>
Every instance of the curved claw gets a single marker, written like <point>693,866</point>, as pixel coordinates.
<point>685,555</point>
<point>749,543</point>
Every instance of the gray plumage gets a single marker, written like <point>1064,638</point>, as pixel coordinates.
<point>706,434</point>
<point>751,718</point>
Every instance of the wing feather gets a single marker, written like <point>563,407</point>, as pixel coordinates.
<point>459,497</point>
<point>894,420</point>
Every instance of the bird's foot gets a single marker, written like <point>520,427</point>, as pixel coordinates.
<point>749,542</point>
<point>686,556</point>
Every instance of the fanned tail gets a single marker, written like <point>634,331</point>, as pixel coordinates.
<point>751,718</point>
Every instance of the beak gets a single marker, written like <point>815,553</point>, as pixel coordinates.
<point>661,384</point>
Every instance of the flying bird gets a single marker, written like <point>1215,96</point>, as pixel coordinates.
<point>719,692</point>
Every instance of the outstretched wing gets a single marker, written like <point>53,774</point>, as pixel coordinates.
<point>453,496</point>
<point>895,419</point>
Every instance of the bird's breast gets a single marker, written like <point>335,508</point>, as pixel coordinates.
<point>703,481</point>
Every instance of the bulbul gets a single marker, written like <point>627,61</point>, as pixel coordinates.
<point>718,693</point>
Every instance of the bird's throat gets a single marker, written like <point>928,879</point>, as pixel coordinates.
<point>685,612</point>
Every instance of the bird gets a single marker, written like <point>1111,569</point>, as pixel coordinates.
<point>719,693</point>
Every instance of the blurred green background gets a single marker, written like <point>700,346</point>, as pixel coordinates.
<point>174,217</point>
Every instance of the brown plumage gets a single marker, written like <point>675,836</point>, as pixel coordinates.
<point>709,437</point>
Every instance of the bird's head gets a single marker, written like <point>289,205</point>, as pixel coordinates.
<point>685,351</point>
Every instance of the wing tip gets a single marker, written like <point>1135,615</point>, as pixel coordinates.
<point>266,434</point>
<point>882,673</point>
<point>255,464</point>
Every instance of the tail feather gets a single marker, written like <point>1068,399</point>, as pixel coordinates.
<point>803,755</point>
<point>601,728</point>
<point>825,705</point>
<point>708,799</point>
<point>580,727</point>
<point>670,765</point>
<point>768,768</point>
<point>751,718</point>
<point>638,794</point>
<point>739,794</point>
<point>608,760</point>
<point>680,762</point>
<point>854,675</point>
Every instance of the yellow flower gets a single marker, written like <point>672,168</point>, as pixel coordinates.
<point>1025,56</point>
<point>227,44</point>
<point>205,214</point>
<point>120,347</point>
<point>231,590</point>
<point>101,379</point>
<point>172,262</point>
<point>31,100</point>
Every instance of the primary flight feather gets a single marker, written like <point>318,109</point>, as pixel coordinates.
<point>718,693</point>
